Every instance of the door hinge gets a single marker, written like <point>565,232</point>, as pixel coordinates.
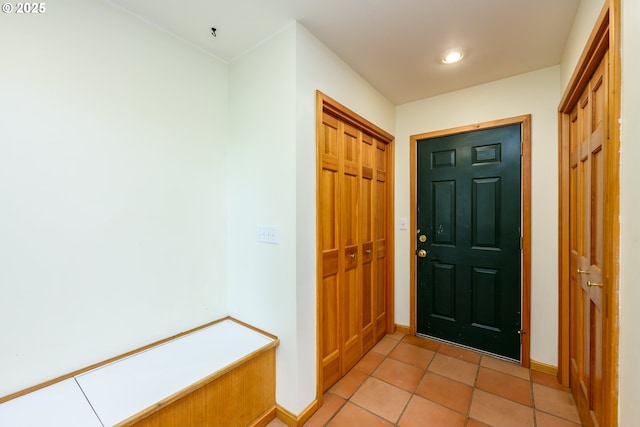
<point>520,242</point>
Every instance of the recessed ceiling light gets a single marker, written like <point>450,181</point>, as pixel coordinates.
<point>452,57</point>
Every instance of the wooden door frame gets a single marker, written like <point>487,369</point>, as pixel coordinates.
<point>605,35</point>
<point>525,122</point>
<point>326,104</point>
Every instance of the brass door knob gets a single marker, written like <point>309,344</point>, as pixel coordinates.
<point>422,253</point>
<point>590,284</point>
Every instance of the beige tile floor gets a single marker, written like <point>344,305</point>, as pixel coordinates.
<point>408,381</point>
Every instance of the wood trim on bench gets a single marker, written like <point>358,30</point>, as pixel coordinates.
<point>232,396</point>
<point>31,389</point>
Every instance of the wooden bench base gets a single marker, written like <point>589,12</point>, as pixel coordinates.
<point>243,396</point>
<point>221,374</point>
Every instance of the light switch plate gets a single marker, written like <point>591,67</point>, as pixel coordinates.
<point>267,234</point>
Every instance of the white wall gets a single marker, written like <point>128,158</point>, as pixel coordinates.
<point>319,68</point>
<point>262,191</point>
<point>535,93</point>
<point>629,208</point>
<point>112,183</point>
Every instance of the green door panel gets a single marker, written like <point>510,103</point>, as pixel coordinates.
<point>468,207</point>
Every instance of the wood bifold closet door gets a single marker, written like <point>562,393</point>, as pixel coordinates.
<point>353,224</point>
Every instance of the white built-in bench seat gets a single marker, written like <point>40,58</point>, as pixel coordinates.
<point>60,404</point>
<point>221,374</point>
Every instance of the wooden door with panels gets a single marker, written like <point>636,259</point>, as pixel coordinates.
<point>354,211</point>
<point>587,136</point>
<point>589,237</point>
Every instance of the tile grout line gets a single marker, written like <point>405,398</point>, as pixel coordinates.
<point>413,394</point>
<point>533,399</point>
<point>395,423</point>
<point>388,356</point>
<point>336,412</point>
<point>473,392</point>
<point>348,400</point>
<point>436,352</point>
<point>394,342</point>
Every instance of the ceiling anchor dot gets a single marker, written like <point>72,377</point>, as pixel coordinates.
<point>213,31</point>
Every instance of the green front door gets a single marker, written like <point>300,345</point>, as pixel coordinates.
<point>468,239</point>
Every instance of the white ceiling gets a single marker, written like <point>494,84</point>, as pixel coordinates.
<point>396,45</point>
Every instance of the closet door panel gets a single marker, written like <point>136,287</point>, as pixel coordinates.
<point>329,245</point>
<point>381,227</point>
<point>349,291</point>
<point>366,239</point>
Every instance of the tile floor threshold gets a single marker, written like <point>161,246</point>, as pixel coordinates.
<point>409,381</point>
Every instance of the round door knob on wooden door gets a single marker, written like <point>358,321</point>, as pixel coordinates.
<point>422,253</point>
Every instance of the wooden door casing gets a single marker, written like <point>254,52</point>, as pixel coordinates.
<point>354,217</point>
